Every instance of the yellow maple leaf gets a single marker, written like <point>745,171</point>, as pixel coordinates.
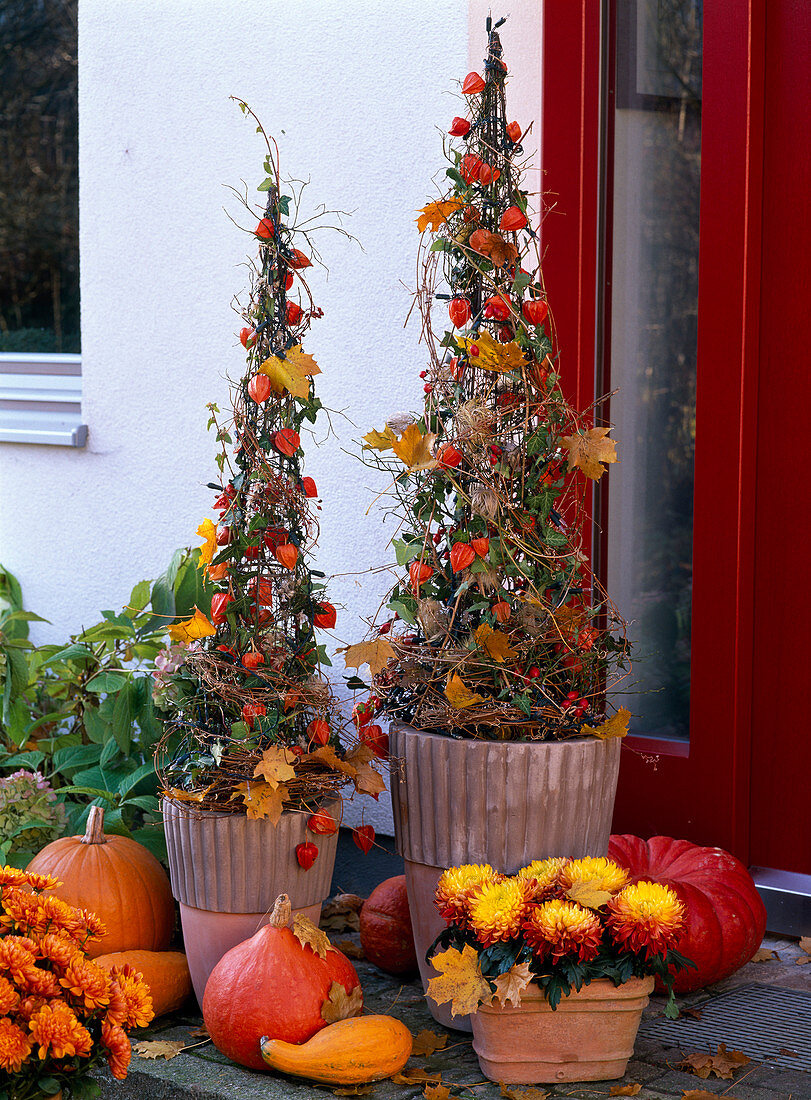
<point>495,643</point>
<point>427,1042</point>
<point>274,766</point>
<point>511,985</point>
<point>190,630</point>
<point>489,354</point>
<point>309,935</point>
<point>436,1092</point>
<point>589,450</point>
<point>616,726</point>
<point>380,441</point>
<point>589,893</point>
<point>414,449</point>
<point>291,373</point>
<point>368,781</point>
<point>262,800</point>
<point>208,531</point>
<point>460,980</point>
<point>437,213</point>
<point>375,653</point>
<point>159,1048</point>
<point>339,1005</point>
<point>327,755</point>
<point>459,694</point>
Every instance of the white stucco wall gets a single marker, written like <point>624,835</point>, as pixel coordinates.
<point>354,91</point>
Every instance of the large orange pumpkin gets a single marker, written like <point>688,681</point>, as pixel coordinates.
<point>385,928</point>
<point>273,986</point>
<point>118,880</point>
<point>726,917</point>
<point>165,972</point>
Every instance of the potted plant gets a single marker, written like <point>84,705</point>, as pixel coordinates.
<point>496,664</point>
<point>556,964</point>
<point>62,1013</point>
<point>251,793</point>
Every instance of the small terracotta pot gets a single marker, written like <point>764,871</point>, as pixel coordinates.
<point>227,872</point>
<point>589,1037</point>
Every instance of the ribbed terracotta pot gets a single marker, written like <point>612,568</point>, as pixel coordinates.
<point>227,871</point>
<point>498,802</point>
<point>589,1037</point>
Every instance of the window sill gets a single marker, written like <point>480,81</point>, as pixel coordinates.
<point>41,400</point>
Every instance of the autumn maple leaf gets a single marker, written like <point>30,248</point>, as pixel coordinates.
<point>380,441</point>
<point>489,354</point>
<point>262,800</point>
<point>375,653</point>
<point>292,372</point>
<point>437,213</point>
<point>190,630</point>
<point>591,451</point>
<point>495,643</point>
<point>275,765</point>
<point>616,726</point>
<point>208,531</point>
<point>414,449</point>
<point>460,980</point>
<point>309,935</point>
<point>511,985</point>
<point>339,1005</point>
<point>459,694</point>
<point>493,246</point>
<point>589,893</point>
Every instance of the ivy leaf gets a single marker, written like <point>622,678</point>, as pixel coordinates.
<point>339,1005</point>
<point>591,451</point>
<point>616,726</point>
<point>460,980</point>
<point>275,765</point>
<point>459,694</point>
<point>308,935</point>
<point>291,373</point>
<point>375,653</point>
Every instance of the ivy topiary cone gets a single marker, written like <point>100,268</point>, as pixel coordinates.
<point>385,928</point>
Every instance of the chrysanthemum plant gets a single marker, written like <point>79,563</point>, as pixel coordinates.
<point>558,923</point>
<point>61,1014</point>
<point>508,634</point>
<point>256,722</point>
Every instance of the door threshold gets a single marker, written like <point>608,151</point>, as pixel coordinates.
<point>787,897</point>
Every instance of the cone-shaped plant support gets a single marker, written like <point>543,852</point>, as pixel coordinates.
<point>252,724</point>
<point>507,634</point>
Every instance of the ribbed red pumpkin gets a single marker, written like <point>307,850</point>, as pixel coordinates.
<point>385,928</point>
<point>726,917</point>
<point>271,985</point>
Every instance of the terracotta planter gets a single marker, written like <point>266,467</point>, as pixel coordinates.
<point>590,1036</point>
<point>503,803</point>
<point>227,871</point>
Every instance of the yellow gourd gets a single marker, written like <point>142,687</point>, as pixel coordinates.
<point>165,972</point>
<point>349,1052</point>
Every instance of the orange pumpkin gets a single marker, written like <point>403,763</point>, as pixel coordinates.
<point>385,928</point>
<point>165,972</point>
<point>118,880</point>
<point>274,986</point>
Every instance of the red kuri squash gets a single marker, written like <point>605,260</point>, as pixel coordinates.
<point>385,928</point>
<point>726,917</point>
<point>274,985</point>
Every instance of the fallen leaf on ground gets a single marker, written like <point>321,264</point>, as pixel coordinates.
<point>458,694</point>
<point>763,955</point>
<point>342,913</point>
<point>511,1092</point>
<point>805,944</point>
<point>380,441</point>
<point>275,765</point>
<point>788,1053</point>
<point>591,451</point>
<point>460,980</point>
<point>375,653</point>
<point>702,1094</point>
<point>292,373</point>
<point>615,726</point>
<point>414,449</point>
<point>416,1077</point>
<point>356,1090</point>
<point>721,1064</point>
<point>200,1032</point>
<point>625,1090</point>
<point>348,948</point>
<point>436,1092</point>
<point>262,800</point>
<point>339,1005</point>
<point>693,1013</point>
<point>308,935</point>
<point>588,893</point>
<point>496,644</point>
<point>511,985</point>
<point>159,1048</point>
<point>426,1042</point>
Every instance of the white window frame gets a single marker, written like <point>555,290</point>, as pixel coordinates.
<point>41,399</point>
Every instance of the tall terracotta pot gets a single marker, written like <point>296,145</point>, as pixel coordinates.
<point>498,802</point>
<point>226,872</point>
<point>589,1037</point>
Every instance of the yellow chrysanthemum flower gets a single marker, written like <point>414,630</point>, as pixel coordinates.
<point>496,909</point>
<point>542,875</point>
<point>558,928</point>
<point>645,916</point>
<point>598,872</point>
<point>455,887</point>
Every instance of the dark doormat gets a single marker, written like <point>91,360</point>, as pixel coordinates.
<point>766,1022</point>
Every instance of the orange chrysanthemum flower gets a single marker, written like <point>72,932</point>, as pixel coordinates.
<point>9,997</point>
<point>29,1007</point>
<point>15,1046</point>
<point>645,916</point>
<point>85,979</point>
<point>601,873</point>
<point>94,927</point>
<point>455,887</point>
<point>558,928</point>
<point>19,911</point>
<point>543,876</point>
<point>16,957</point>
<point>117,1009</point>
<point>59,949</point>
<point>114,1038</point>
<point>135,994</point>
<point>12,876</point>
<point>39,983</point>
<point>496,909</point>
<point>56,1029</point>
<point>56,915</point>
<point>38,883</point>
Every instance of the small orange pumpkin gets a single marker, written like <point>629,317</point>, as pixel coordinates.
<point>118,880</point>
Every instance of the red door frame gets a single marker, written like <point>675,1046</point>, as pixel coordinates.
<point>700,792</point>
